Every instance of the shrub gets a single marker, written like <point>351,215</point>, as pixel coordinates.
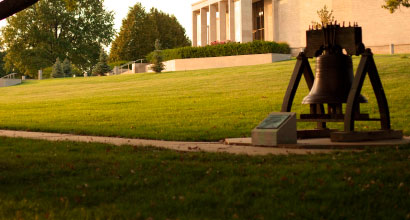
<point>57,71</point>
<point>67,68</point>
<point>223,49</point>
<point>102,67</point>
<point>157,59</point>
<point>47,72</point>
<point>74,71</point>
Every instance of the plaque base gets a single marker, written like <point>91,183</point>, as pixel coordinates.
<point>283,133</point>
<point>366,136</point>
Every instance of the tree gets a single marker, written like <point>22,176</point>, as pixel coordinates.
<point>157,65</point>
<point>10,7</point>
<point>325,17</point>
<point>171,34</point>
<point>393,5</point>
<point>3,72</point>
<point>57,69</point>
<point>139,31</point>
<point>102,67</point>
<point>136,33</point>
<point>75,29</point>
<point>67,68</point>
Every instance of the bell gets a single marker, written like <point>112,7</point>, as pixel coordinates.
<point>333,80</point>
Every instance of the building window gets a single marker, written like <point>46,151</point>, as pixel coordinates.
<point>258,20</point>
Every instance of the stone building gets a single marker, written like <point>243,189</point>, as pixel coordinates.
<point>287,21</point>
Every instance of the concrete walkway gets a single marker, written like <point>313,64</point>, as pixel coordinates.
<point>174,145</point>
<point>326,143</point>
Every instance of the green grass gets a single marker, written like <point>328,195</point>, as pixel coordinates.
<point>194,105</point>
<point>65,180</point>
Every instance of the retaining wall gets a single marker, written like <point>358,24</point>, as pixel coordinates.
<point>221,62</point>
<point>9,82</point>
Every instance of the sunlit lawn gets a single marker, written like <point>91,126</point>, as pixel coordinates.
<point>193,105</point>
<point>66,180</point>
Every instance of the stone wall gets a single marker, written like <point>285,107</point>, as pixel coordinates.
<point>380,28</point>
<point>222,62</point>
<point>386,49</point>
<point>288,20</point>
<point>9,82</point>
<point>295,16</point>
<point>403,48</point>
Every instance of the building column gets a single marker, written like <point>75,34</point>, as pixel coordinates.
<point>194,29</point>
<point>231,11</point>
<point>222,20</point>
<point>268,20</point>
<point>275,16</point>
<point>204,27</point>
<point>212,23</point>
<point>246,21</point>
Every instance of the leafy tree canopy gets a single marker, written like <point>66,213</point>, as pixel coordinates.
<point>71,29</point>
<point>170,32</point>
<point>3,71</point>
<point>133,40</point>
<point>140,30</point>
<point>393,5</point>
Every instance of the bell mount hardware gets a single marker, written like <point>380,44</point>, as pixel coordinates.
<point>334,85</point>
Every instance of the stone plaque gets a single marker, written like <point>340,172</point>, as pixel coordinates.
<point>278,128</point>
<point>273,121</point>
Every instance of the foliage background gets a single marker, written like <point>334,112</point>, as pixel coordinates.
<point>393,5</point>
<point>76,30</point>
<point>139,31</point>
<point>3,71</point>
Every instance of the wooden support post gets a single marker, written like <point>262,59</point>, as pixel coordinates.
<point>353,98</point>
<point>367,65</point>
<point>294,83</point>
<point>302,67</point>
<point>380,95</point>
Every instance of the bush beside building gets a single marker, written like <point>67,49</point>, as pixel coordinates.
<point>224,49</point>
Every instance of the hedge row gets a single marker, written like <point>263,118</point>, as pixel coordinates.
<point>227,49</point>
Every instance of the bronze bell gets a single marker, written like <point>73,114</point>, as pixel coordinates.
<point>333,80</point>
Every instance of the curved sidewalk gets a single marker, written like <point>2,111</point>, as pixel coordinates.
<point>173,145</point>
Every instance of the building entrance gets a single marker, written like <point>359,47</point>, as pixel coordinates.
<point>258,20</point>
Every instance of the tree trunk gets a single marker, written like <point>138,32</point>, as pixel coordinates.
<point>10,7</point>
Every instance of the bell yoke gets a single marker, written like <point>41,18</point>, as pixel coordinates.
<point>334,84</point>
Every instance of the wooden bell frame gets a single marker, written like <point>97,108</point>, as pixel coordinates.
<point>317,111</point>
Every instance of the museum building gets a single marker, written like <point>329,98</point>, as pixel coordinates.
<point>288,20</point>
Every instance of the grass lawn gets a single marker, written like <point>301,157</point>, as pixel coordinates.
<point>205,105</point>
<point>65,180</point>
